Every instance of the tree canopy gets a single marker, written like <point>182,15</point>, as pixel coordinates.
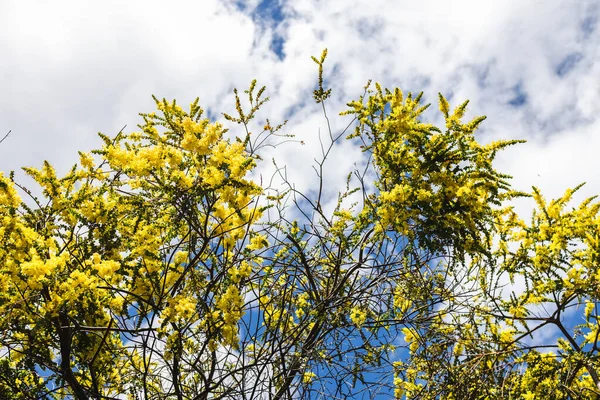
<point>157,267</point>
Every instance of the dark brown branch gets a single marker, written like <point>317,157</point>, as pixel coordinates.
<point>65,339</point>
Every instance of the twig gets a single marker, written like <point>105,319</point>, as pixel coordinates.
<point>5,136</point>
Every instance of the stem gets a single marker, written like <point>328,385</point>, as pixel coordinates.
<point>64,335</point>
<point>591,370</point>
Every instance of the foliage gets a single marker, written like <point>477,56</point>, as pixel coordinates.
<point>158,268</point>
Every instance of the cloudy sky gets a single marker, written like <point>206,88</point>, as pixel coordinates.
<point>71,69</point>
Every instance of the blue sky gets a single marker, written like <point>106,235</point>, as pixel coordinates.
<point>72,68</point>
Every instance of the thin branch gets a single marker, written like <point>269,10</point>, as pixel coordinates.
<point>5,136</point>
